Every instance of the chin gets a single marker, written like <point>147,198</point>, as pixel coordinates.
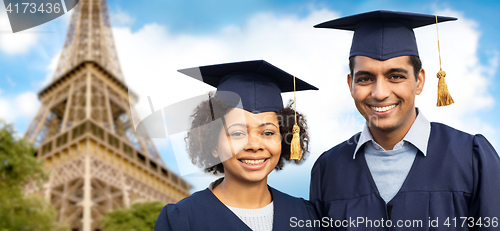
<point>381,126</point>
<point>255,177</point>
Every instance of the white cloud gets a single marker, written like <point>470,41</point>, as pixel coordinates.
<point>27,104</point>
<point>23,107</point>
<point>50,71</point>
<point>150,57</point>
<point>5,109</point>
<point>18,43</point>
<point>121,18</point>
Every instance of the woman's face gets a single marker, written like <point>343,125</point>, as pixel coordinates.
<point>249,144</point>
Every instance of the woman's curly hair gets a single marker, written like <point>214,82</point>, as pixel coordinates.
<point>201,139</point>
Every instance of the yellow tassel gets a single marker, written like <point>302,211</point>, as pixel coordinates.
<point>295,150</point>
<point>444,97</point>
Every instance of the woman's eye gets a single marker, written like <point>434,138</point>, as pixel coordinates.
<point>268,133</point>
<point>237,134</point>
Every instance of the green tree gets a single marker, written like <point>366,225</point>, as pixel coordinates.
<point>19,166</point>
<point>139,217</point>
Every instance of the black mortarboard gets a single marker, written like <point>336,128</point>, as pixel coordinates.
<point>258,83</point>
<point>383,34</point>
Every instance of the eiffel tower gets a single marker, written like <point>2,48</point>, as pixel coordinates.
<point>85,135</point>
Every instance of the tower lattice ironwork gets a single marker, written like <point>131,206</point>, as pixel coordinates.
<point>85,135</point>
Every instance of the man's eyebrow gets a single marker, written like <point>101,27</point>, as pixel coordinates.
<point>392,70</point>
<point>358,73</point>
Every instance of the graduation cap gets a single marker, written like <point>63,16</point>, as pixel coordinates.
<point>386,34</point>
<point>258,84</point>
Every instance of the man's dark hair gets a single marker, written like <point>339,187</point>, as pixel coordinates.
<point>414,61</point>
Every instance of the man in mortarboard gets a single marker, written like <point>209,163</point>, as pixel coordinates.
<point>401,172</point>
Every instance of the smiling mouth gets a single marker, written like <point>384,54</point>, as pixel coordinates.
<point>253,162</point>
<point>383,109</point>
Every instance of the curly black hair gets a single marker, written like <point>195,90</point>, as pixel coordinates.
<point>200,142</point>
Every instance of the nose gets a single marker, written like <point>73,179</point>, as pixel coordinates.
<point>380,90</point>
<point>254,142</point>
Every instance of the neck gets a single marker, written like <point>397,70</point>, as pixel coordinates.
<point>248,195</point>
<point>389,138</point>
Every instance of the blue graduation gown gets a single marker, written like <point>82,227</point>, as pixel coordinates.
<point>459,177</point>
<point>203,211</point>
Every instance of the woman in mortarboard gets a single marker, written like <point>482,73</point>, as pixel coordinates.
<point>244,132</point>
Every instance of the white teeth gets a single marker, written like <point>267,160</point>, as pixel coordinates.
<point>253,162</point>
<point>383,109</point>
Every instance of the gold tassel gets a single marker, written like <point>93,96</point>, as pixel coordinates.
<point>444,97</point>
<point>295,150</point>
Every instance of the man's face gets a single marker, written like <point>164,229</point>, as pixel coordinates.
<point>384,92</point>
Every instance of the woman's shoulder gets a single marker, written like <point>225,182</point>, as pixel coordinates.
<point>284,199</point>
<point>284,196</point>
<point>290,210</point>
<point>194,200</point>
<point>179,216</point>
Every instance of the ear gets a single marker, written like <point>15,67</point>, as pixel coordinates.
<point>215,153</point>
<point>420,81</point>
<point>349,82</point>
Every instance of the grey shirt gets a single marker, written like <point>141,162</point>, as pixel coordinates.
<point>390,168</point>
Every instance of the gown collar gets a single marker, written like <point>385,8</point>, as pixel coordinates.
<point>418,135</point>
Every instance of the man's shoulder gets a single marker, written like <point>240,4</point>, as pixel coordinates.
<point>447,128</point>
<point>440,130</point>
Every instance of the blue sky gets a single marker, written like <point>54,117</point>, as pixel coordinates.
<point>190,33</point>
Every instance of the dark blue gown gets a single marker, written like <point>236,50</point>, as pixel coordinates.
<point>203,211</point>
<point>459,177</point>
